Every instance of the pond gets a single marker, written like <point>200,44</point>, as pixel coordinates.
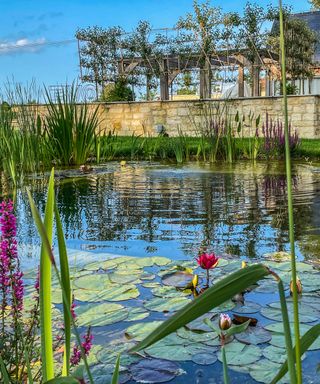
<point>163,215</point>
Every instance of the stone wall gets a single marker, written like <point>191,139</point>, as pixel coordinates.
<point>189,117</point>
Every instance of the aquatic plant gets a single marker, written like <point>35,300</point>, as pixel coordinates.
<point>70,128</point>
<point>207,261</point>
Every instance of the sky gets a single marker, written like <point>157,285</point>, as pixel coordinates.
<point>27,27</point>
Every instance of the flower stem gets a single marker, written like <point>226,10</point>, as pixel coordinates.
<point>224,360</point>
<point>290,204</point>
<point>208,277</point>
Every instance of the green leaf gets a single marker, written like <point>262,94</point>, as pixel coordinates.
<point>45,280</point>
<point>4,372</point>
<point>115,376</point>
<point>237,328</point>
<point>214,296</point>
<point>65,282</point>
<point>305,342</point>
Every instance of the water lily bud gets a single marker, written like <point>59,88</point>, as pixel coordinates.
<point>243,264</point>
<point>225,322</point>
<point>299,286</point>
<point>195,281</point>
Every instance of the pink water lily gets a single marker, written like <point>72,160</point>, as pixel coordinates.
<point>207,260</point>
<point>225,322</point>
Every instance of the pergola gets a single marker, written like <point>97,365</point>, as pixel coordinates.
<point>170,66</point>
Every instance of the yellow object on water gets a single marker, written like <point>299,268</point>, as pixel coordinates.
<point>195,281</point>
<point>243,264</point>
<point>123,163</point>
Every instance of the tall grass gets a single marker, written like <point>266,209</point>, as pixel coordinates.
<point>70,128</point>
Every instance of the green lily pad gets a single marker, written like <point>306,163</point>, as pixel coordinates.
<point>204,358</point>
<point>96,282</point>
<point>179,279</point>
<point>151,371</point>
<point>275,354</point>
<point>241,354</point>
<point>106,264</point>
<point>168,350</point>
<point>140,330</point>
<point>125,277</point>
<point>196,337</point>
<point>136,313</point>
<point>248,308</point>
<point>153,284</point>
<point>254,335</point>
<point>168,291</point>
<point>100,314</point>
<point>306,315</point>
<point>170,304</point>
<point>264,371</point>
<point>115,292</point>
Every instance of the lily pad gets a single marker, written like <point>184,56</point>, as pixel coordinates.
<point>248,308</point>
<point>140,330</point>
<point>115,292</point>
<point>275,354</point>
<point>101,314</point>
<point>170,304</point>
<point>96,282</point>
<point>254,335</point>
<point>196,337</point>
<point>241,354</point>
<point>264,371</point>
<point>167,291</point>
<point>178,279</point>
<point>154,371</point>
<point>277,256</point>
<point>307,313</point>
<point>204,358</point>
<point>136,313</point>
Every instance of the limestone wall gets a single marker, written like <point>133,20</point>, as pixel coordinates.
<point>190,117</point>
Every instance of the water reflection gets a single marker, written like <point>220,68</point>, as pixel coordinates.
<point>172,211</point>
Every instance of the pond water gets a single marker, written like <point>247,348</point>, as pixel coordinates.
<point>149,209</point>
<point>152,209</point>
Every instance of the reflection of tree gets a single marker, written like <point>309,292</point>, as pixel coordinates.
<point>235,208</point>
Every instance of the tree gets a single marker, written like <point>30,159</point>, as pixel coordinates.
<point>300,43</point>
<point>315,3</point>
<point>99,54</point>
<point>119,91</point>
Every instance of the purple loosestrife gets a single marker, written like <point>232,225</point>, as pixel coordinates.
<point>86,345</point>
<point>10,274</point>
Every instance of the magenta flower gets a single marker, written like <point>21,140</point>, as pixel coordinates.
<point>10,274</point>
<point>207,260</point>
<point>86,345</point>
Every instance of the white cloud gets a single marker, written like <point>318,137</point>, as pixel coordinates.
<point>21,45</point>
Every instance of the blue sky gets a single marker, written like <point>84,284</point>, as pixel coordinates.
<point>34,21</point>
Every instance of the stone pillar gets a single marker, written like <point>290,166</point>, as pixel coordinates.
<point>205,80</point>
<point>241,81</point>
<point>164,81</point>
<point>255,80</point>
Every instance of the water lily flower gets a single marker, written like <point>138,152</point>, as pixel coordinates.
<point>299,286</point>
<point>243,264</point>
<point>207,260</point>
<point>225,322</point>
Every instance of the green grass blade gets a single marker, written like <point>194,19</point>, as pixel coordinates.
<point>115,376</point>
<point>65,280</point>
<point>224,290</point>
<point>289,195</point>
<point>26,357</point>
<point>305,342</point>
<point>287,333</point>
<point>4,372</point>
<point>45,288</point>
<point>225,365</point>
<point>45,241</point>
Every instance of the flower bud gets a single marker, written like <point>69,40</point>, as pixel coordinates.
<point>299,286</point>
<point>225,322</point>
<point>243,264</point>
